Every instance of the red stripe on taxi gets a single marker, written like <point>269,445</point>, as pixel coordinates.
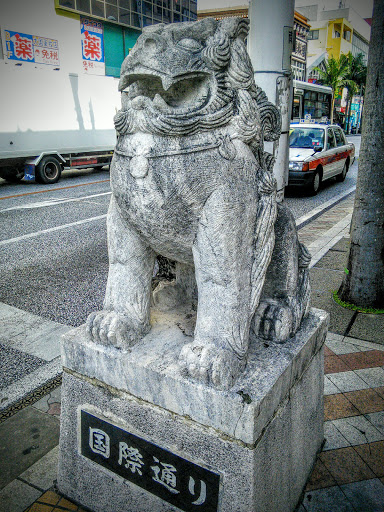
<point>328,159</point>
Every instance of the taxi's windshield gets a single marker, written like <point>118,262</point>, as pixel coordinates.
<point>306,137</point>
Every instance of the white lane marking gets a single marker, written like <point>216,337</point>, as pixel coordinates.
<point>52,202</point>
<point>51,230</point>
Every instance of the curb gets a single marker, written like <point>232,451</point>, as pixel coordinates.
<point>319,210</point>
<point>30,388</point>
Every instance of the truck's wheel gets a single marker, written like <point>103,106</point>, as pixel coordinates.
<point>11,174</point>
<point>48,170</point>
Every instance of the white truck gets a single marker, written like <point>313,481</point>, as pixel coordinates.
<point>50,121</point>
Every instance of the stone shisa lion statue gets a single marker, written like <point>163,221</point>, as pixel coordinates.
<point>191,181</point>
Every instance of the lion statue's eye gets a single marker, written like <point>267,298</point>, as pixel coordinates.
<point>190,44</point>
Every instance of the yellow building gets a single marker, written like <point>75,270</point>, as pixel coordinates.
<point>339,37</point>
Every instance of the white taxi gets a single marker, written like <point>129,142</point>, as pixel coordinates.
<point>318,152</point>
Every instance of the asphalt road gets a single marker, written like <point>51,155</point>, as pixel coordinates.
<point>53,249</point>
<point>53,252</point>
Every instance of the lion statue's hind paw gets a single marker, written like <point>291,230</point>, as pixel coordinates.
<point>273,321</point>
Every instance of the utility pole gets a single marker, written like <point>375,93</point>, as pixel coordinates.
<point>270,43</point>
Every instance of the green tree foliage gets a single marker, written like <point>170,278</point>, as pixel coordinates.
<point>354,80</point>
<point>347,71</point>
<point>333,75</point>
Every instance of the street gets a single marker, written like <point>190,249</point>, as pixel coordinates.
<point>53,249</point>
<point>59,274</point>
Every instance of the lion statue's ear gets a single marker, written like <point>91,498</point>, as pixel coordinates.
<point>217,53</point>
<point>234,27</point>
<point>250,98</point>
<point>269,114</point>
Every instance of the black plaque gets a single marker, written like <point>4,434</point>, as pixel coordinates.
<point>170,477</point>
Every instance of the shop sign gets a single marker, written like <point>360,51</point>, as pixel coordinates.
<point>92,46</point>
<point>29,48</point>
<point>186,485</point>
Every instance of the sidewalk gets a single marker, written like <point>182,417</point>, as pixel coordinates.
<point>349,472</point>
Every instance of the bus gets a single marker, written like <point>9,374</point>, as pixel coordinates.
<point>312,99</point>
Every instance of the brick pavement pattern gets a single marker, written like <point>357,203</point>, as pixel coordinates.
<point>50,501</point>
<point>349,472</point>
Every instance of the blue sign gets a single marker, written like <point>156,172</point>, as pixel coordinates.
<point>19,46</point>
<point>29,48</point>
<point>29,172</point>
<point>92,46</point>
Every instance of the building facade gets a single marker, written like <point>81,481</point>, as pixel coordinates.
<point>60,66</point>
<point>123,20</point>
<point>299,52</point>
<point>133,13</point>
<point>333,33</point>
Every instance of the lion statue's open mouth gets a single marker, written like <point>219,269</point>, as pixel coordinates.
<point>176,96</point>
<point>188,77</point>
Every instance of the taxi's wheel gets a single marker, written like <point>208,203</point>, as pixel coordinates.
<point>314,187</point>
<point>341,177</point>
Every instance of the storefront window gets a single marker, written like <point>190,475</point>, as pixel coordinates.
<point>134,13</point>
<point>313,34</point>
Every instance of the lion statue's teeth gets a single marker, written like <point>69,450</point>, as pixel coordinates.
<point>159,102</point>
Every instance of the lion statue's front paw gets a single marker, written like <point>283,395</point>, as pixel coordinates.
<point>210,364</point>
<point>111,328</point>
<point>273,320</point>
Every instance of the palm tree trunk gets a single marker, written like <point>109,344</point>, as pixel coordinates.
<point>363,283</point>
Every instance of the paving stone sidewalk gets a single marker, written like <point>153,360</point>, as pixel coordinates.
<point>349,473</point>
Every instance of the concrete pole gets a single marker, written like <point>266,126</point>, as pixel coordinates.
<point>270,45</point>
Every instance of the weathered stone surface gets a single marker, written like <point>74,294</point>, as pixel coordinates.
<point>150,372</point>
<point>263,441</point>
<point>191,182</point>
<point>368,327</point>
<point>24,439</point>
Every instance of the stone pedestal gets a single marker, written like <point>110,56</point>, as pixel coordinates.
<point>136,436</point>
